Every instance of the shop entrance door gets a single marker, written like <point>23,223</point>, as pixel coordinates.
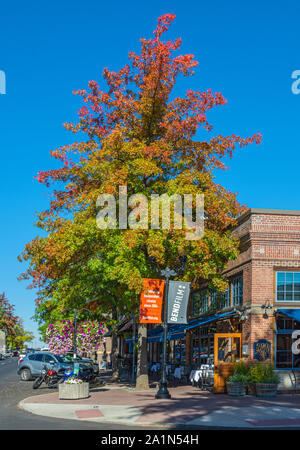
<point>227,350</point>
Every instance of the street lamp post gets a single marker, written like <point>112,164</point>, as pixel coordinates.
<point>75,331</point>
<point>75,335</point>
<point>133,351</point>
<point>167,273</point>
<point>163,392</point>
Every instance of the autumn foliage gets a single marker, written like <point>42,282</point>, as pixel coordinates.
<point>137,133</point>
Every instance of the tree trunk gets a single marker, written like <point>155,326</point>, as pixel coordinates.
<point>115,357</point>
<point>114,350</point>
<point>142,379</point>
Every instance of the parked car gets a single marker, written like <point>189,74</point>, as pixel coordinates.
<point>7,354</point>
<point>32,364</point>
<point>69,358</point>
<point>15,353</point>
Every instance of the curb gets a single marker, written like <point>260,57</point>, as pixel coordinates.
<point>28,409</point>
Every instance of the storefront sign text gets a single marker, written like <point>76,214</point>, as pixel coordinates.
<point>262,349</point>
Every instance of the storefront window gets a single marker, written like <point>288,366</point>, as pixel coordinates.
<point>195,347</point>
<point>179,351</point>
<point>287,286</point>
<point>285,359</point>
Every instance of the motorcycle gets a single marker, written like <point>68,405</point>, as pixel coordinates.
<point>49,377</point>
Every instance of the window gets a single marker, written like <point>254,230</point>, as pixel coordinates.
<point>285,359</point>
<point>288,286</point>
<point>38,357</point>
<point>179,351</point>
<point>203,301</point>
<point>210,300</point>
<point>195,304</point>
<point>213,300</point>
<point>237,290</point>
<point>49,359</point>
<point>225,299</point>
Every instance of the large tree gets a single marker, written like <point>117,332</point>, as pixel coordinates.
<point>8,318</point>
<point>16,335</point>
<point>138,134</point>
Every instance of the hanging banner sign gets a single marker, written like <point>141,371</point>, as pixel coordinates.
<point>178,298</point>
<point>151,300</point>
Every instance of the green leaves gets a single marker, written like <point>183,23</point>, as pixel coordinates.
<point>141,135</point>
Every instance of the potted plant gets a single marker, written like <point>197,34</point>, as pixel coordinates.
<point>237,383</point>
<point>73,389</point>
<point>265,379</point>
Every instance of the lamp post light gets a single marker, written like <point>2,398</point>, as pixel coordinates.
<point>167,273</point>
<point>75,330</point>
<point>163,392</point>
<point>266,306</point>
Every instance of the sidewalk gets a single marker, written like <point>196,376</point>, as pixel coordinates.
<point>122,404</point>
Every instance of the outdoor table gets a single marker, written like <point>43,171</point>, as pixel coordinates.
<point>191,377</point>
<point>203,376</point>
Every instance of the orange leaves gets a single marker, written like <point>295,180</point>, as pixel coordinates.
<point>163,24</point>
<point>137,135</point>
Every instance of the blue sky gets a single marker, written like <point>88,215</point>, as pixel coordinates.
<point>246,50</point>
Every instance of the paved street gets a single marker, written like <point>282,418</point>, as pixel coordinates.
<point>122,408</point>
<point>12,417</point>
<point>12,391</point>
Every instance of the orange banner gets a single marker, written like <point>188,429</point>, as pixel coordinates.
<point>151,301</point>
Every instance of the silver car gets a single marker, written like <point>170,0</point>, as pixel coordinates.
<point>33,363</point>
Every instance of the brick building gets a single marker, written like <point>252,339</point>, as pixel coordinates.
<point>262,302</point>
<point>256,316</point>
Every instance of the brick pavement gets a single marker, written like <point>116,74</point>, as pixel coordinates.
<point>188,406</point>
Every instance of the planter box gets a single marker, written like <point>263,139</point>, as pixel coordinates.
<point>73,391</point>
<point>266,389</point>
<point>235,389</point>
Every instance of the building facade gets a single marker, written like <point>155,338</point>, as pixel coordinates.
<point>256,317</point>
<point>262,301</point>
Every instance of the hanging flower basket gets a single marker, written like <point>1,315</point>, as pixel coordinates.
<point>73,390</point>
